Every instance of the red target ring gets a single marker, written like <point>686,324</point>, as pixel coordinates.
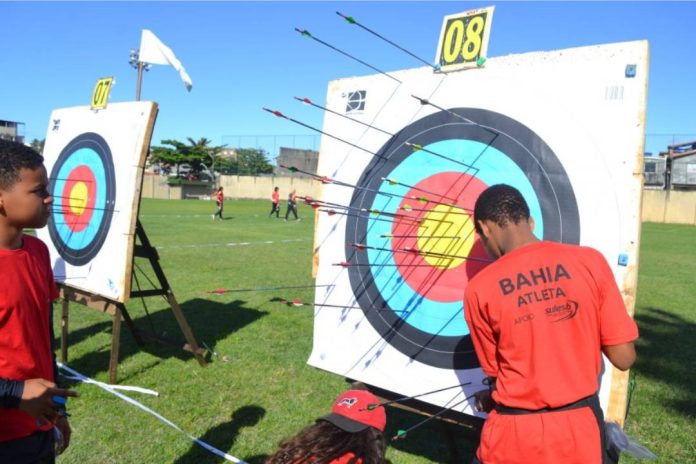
<point>445,251</point>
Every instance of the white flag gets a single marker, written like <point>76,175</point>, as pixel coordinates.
<point>153,51</point>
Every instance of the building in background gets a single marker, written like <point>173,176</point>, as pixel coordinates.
<point>12,130</point>
<point>655,170</point>
<point>682,166</point>
<point>302,159</point>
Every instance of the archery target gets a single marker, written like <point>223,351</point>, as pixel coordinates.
<point>95,163</point>
<point>398,246</point>
<point>414,267</point>
<point>83,186</point>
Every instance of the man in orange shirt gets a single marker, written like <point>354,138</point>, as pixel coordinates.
<point>540,316</point>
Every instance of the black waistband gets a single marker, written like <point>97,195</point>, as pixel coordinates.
<point>585,402</point>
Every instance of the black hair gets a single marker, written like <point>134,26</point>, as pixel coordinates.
<point>322,442</point>
<point>13,157</point>
<point>501,204</point>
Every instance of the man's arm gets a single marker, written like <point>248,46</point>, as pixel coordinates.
<point>622,356</point>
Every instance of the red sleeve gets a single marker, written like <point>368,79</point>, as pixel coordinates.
<point>481,332</point>
<point>616,326</point>
<point>53,292</point>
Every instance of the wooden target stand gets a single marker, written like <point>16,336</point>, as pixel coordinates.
<point>119,311</point>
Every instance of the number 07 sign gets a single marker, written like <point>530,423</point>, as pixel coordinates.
<point>464,39</point>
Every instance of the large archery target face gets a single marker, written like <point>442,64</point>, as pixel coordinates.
<point>95,161</point>
<point>394,258</point>
<point>84,190</point>
<point>414,267</point>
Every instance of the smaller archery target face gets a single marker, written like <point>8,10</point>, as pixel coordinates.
<point>421,248</point>
<point>84,189</point>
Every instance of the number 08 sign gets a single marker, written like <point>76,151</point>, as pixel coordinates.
<point>464,39</point>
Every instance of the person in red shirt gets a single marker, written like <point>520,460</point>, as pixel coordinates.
<point>353,433</point>
<point>28,411</point>
<point>275,203</point>
<point>292,205</point>
<point>540,317</point>
<point>219,200</point>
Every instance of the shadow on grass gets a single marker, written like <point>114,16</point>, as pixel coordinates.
<point>210,322</point>
<point>223,436</point>
<point>666,352</point>
<point>436,440</point>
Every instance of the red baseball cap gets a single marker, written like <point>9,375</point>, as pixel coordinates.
<point>356,410</point>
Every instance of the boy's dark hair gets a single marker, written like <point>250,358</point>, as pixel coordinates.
<point>13,157</point>
<point>501,204</point>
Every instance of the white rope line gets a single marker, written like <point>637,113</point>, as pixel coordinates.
<point>112,389</point>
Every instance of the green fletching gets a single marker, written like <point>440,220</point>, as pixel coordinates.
<point>422,199</point>
<point>416,147</point>
<point>401,433</point>
<point>480,61</point>
<point>375,212</point>
<point>292,169</point>
<point>392,182</point>
<point>306,33</point>
<point>407,207</point>
<point>350,19</point>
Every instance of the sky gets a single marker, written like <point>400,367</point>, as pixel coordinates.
<point>243,56</point>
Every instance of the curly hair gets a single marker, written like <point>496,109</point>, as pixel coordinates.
<point>501,204</point>
<point>13,157</point>
<point>322,442</point>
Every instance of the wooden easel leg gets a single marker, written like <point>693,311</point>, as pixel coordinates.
<point>65,306</point>
<point>185,328</point>
<point>130,324</point>
<point>115,342</point>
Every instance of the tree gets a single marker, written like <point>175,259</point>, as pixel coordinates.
<point>197,154</point>
<point>252,161</point>
<point>38,145</point>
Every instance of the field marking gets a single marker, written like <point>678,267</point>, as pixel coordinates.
<point>231,244</point>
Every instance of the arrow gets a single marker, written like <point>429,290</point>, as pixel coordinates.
<point>281,115</point>
<point>352,20</point>
<point>306,33</point>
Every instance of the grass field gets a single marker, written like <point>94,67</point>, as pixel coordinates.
<point>258,389</point>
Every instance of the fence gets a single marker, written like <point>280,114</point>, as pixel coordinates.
<point>667,206</point>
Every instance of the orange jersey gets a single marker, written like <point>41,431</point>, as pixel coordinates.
<point>275,197</point>
<point>539,316</point>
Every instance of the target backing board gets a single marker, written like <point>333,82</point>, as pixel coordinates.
<point>95,162</point>
<point>395,244</point>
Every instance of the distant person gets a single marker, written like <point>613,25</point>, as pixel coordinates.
<point>275,203</point>
<point>540,317</point>
<point>28,413</point>
<point>219,201</point>
<point>353,433</point>
<point>292,205</point>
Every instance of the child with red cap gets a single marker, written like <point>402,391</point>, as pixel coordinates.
<point>353,433</point>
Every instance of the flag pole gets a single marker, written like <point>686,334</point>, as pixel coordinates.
<point>140,81</point>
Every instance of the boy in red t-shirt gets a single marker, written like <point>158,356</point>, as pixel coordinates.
<point>540,316</point>
<point>28,412</point>
<point>275,203</point>
<point>219,202</point>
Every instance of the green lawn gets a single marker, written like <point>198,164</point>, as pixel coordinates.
<point>258,389</point>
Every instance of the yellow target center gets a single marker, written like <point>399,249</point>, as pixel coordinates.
<point>446,236</point>
<point>78,198</point>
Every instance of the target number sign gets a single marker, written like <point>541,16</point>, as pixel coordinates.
<point>100,95</point>
<point>464,39</point>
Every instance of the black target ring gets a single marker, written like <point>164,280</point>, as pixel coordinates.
<point>521,145</point>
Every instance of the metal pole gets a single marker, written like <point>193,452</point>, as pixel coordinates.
<point>140,81</point>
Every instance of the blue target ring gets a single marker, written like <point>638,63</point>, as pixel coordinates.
<point>489,146</point>
<point>78,233</point>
